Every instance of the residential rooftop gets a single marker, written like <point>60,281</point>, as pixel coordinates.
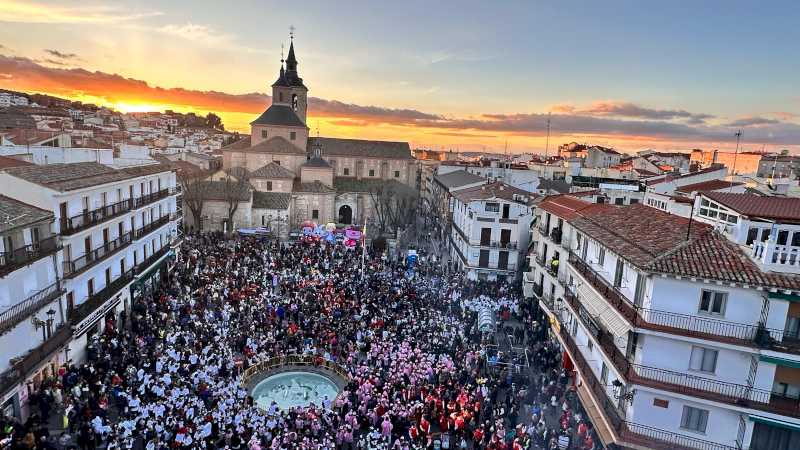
<point>73,176</point>
<point>16,214</point>
<point>758,206</point>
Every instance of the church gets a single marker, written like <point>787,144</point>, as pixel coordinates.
<point>296,177</point>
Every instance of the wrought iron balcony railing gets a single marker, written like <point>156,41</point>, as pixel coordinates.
<point>20,257</point>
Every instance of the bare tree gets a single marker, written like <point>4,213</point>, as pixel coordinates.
<point>235,189</point>
<point>395,205</point>
<point>195,194</point>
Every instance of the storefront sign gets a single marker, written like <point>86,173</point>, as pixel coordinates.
<point>96,315</point>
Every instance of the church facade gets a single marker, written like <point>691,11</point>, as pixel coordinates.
<point>302,178</point>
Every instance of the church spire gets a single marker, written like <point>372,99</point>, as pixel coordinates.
<point>291,61</point>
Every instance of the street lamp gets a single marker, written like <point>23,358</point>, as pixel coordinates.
<point>51,313</point>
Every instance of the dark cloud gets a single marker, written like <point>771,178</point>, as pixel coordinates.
<point>750,121</point>
<point>54,62</point>
<point>60,55</point>
<point>627,109</point>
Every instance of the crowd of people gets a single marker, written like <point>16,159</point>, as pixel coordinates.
<point>419,372</point>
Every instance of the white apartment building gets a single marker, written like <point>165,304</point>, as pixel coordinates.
<point>115,227</point>
<point>551,237</point>
<point>679,340</point>
<point>9,98</point>
<point>31,312</point>
<point>490,230</point>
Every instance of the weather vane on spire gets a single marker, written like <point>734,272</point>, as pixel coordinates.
<point>291,32</point>
<point>281,53</point>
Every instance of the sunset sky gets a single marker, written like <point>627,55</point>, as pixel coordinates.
<point>467,75</point>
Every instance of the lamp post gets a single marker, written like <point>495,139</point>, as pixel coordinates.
<point>51,313</point>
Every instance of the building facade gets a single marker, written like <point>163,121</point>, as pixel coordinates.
<point>678,339</point>
<point>490,230</point>
<point>115,229</point>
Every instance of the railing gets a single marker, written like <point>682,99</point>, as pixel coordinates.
<point>12,260</point>
<point>150,198</point>
<point>22,368</point>
<point>769,252</point>
<point>22,310</point>
<point>631,432</point>
<point>605,339</point>
<point>293,360</point>
<point>721,391</point>
<point>611,294</point>
<point>88,219</point>
<point>147,229</point>
<point>97,300</point>
<point>72,268</point>
<point>494,244</point>
<point>142,266</point>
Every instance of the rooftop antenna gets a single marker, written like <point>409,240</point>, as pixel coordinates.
<point>547,142</point>
<point>735,154</point>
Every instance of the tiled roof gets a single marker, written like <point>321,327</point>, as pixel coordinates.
<point>6,162</point>
<point>315,187</point>
<point>23,136</point>
<point>272,170</point>
<point>317,163</point>
<point>222,191</point>
<point>458,178</point>
<point>68,177</point>
<point>281,115</point>
<point>710,185</point>
<point>271,200</point>
<point>276,144</point>
<point>332,147</point>
<point>713,257</point>
<point>241,144</point>
<point>493,190</point>
<point>569,208</point>
<point>669,178</point>
<point>638,232</point>
<point>16,214</point>
<point>351,184</point>
<point>775,208</point>
<point>658,242</point>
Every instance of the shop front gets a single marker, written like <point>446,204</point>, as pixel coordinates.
<point>149,280</point>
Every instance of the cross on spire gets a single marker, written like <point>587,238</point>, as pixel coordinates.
<point>291,32</point>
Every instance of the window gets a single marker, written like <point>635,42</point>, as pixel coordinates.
<point>634,201</point>
<point>618,272</point>
<point>752,235</point>
<point>694,419</point>
<point>712,302</point>
<point>264,134</point>
<point>346,171</point>
<point>292,135</point>
<point>783,237</point>
<point>397,174</point>
<point>619,201</point>
<point>589,343</point>
<point>795,238</point>
<point>703,360</point>
<point>492,207</point>
<point>372,172</point>
<point>269,185</point>
<point>315,214</point>
<point>277,161</point>
<point>601,256</point>
<point>604,373</point>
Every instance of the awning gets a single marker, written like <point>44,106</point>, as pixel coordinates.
<point>775,423</point>
<point>780,361</point>
<point>149,272</point>
<point>602,310</point>
<point>595,416</point>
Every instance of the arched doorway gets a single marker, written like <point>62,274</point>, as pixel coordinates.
<point>345,214</point>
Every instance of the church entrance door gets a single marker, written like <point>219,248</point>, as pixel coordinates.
<point>345,214</point>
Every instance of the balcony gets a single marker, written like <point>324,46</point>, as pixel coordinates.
<point>603,337</point>
<point>97,300</point>
<point>611,294</point>
<point>537,290</point>
<point>91,218</point>
<point>23,256</point>
<point>147,229</point>
<point>784,258</point>
<point>494,245</point>
<point>22,310</point>
<point>28,363</point>
<point>82,263</point>
<point>720,391</point>
<point>150,198</point>
<point>144,265</point>
<point>630,432</point>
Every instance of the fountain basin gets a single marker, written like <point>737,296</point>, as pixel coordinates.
<point>294,389</point>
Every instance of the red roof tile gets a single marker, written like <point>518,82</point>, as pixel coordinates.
<point>775,208</point>
<point>568,207</point>
<point>6,162</point>
<point>710,185</point>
